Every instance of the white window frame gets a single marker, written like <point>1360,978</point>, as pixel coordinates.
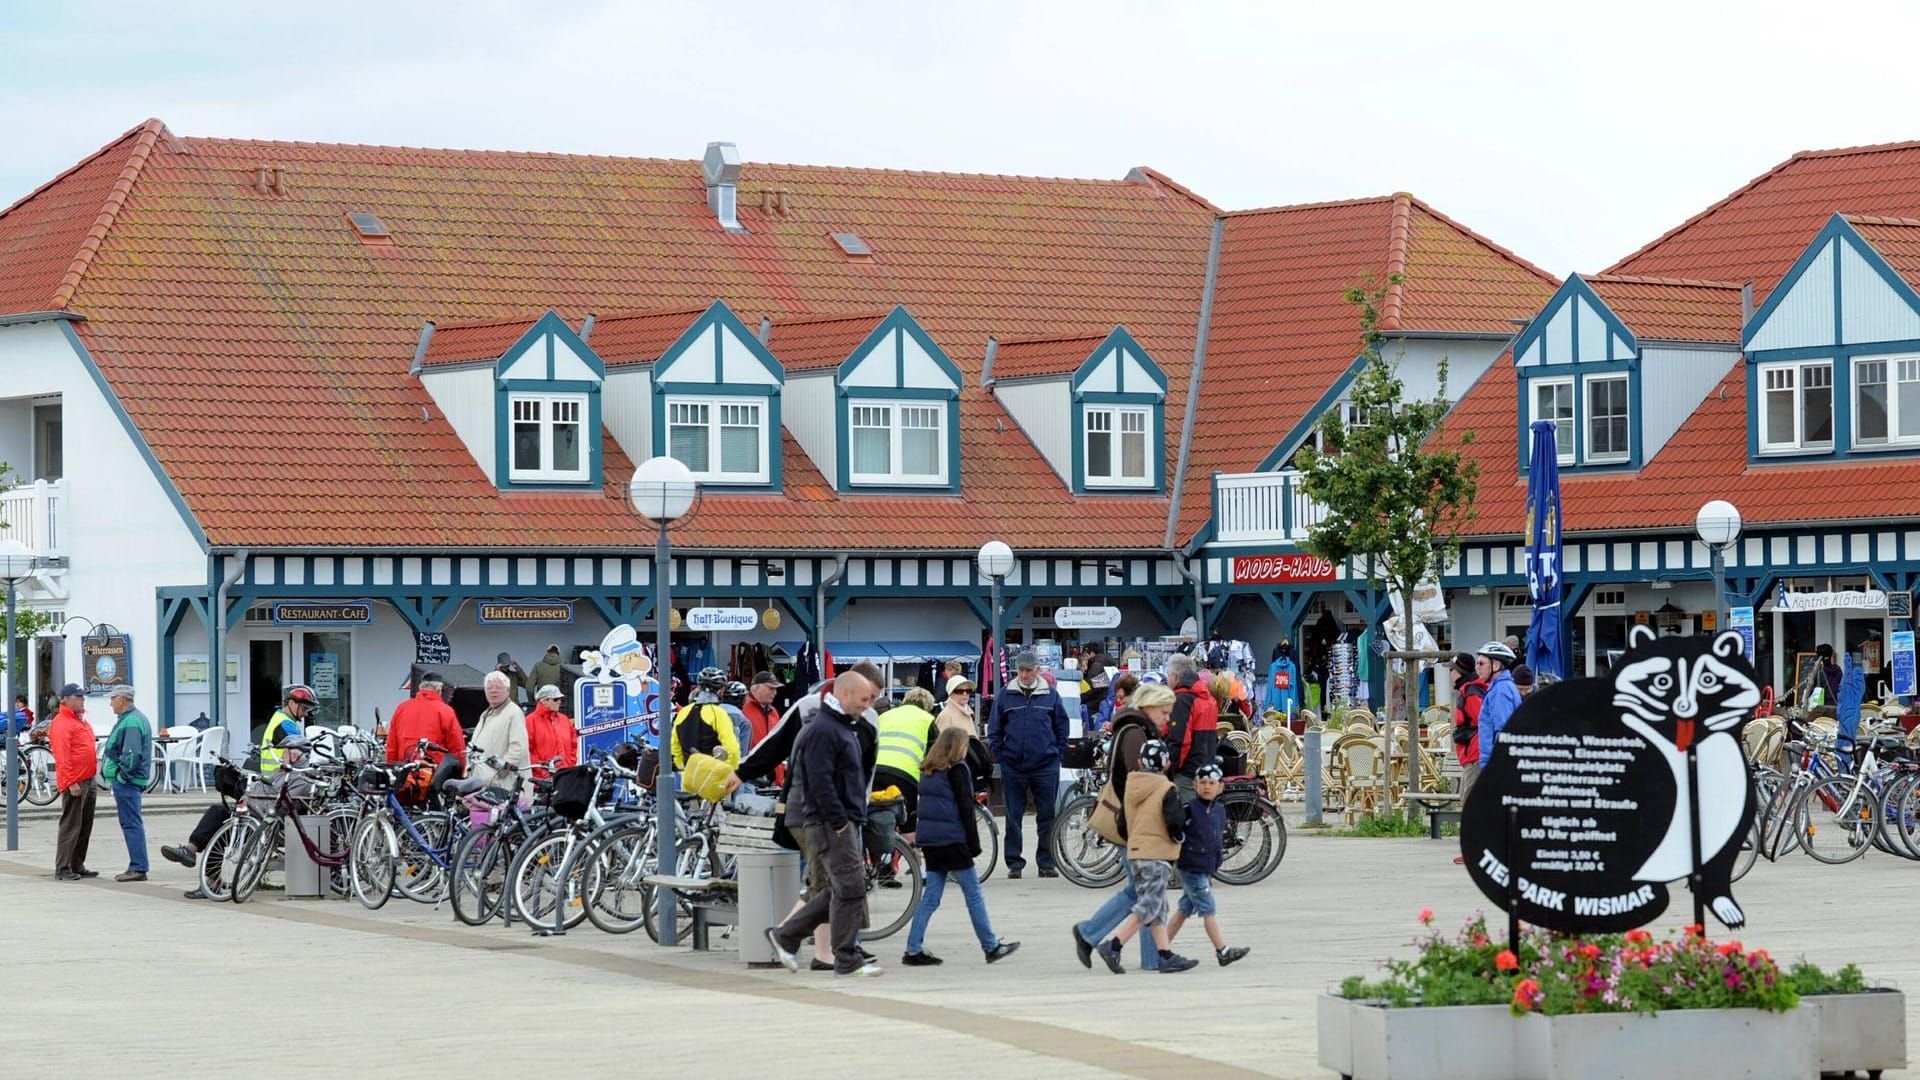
<point>715,406</point>
<point>1566,432</point>
<point>1611,457</point>
<point>895,476</point>
<point>1115,414</point>
<point>1790,374</point>
<point>546,473</point>
<point>1899,369</point>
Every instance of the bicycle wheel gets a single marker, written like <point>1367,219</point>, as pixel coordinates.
<point>370,859</point>
<point>1083,856</point>
<point>1255,839</point>
<point>222,856</point>
<point>261,844</point>
<point>625,858</point>
<point>989,858</point>
<point>478,879</point>
<point>336,842</point>
<point>537,886</point>
<point>1892,805</point>
<point>1835,824</point>
<point>420,874</point>
<point>36,776</point>
<point>890,909</point>
<point>649,896</point>
<point>1906,814</point>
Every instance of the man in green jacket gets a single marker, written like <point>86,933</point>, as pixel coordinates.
<point>128,766</point>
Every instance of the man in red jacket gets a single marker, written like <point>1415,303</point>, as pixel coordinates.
<point>550,734</point>
<point>1469,691</point>
<point>426,716</point>
<point>1195,732</point>
<point>74,763</point>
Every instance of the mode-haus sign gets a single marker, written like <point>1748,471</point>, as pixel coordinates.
<point>1280,569</point>
<point>543,611</point>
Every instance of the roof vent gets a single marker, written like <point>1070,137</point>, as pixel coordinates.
<point>722,169</point>
<point>851,243</point>
<point>369,226</point>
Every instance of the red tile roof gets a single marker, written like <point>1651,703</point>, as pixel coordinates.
<point>198,288</point>
<point>1757,232</point>
<point>1896,239</point>
<point>820,342</point>
<point>1032,357</point>
<point>1672,309</point>
<point>1282,332</point>
<point>639,337</point>
<point>460,343</point>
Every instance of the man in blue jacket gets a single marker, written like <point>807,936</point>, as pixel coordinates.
<point>1027,732</point>
<point>1494,664</point>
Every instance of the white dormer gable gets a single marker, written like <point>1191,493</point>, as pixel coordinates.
<point>898,355</point>
<point>1575,328</point>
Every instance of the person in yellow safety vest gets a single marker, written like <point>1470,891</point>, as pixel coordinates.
<point>704,726</point>
<point>289,721</point>
<point>905,732</point>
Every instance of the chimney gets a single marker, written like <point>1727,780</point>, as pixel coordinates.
<point>986,364</point>
<point>420,350</point>
<point>1746,305</point>
<point>279,180</point>
<point>586,328</point>
<point>260,182</point>
<point>766,328</point>
<point>722,169</point>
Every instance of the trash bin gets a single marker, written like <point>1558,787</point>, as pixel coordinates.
<point>306,879</point>
<point>769,887</point>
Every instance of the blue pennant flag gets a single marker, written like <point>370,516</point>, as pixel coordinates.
<point>1543,553</point>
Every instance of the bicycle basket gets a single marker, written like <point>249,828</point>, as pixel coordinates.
<point>573,792</point>
<point>415,787</point>
<point>1079,754</point>
<point>229,781</point>
<point>647,768</point>
<point>373,780</point>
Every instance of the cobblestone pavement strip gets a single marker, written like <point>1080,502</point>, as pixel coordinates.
<point>138,972</point>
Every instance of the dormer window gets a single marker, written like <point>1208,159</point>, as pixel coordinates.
<point>1609,428</point>
<point>897,443</point>
<point>1116,446</point>
<point>548,438</point>
<point>1886,406</point>
<point>1553,400</point>
<point>719,440</point>
<point>1797,407</point>
<point>717,394</point>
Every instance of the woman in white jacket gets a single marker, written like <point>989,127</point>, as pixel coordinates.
<point>501,733</point>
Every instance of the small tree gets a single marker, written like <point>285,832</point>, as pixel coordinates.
<point>1393,498</point>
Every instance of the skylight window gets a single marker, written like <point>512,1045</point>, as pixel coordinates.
<point>369,225</point>
<point>851,244</point>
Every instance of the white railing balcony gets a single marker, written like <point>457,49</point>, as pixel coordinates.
<point>35,515</point>
<point>1266,507</point>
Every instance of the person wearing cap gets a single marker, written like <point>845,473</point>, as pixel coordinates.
<point>426,716</point>
<point>759,707</point>
<point>957,711</point>
<point>1469,694</point>
<point>519,686</point>
<point>546,670</point>
<point>1495,664</point>
<point>1027,732</point>
<point>288,722</point>
<point>550,733</point>
<point>1523,681</point>
<point>128,766</point>
<point>74,763</point>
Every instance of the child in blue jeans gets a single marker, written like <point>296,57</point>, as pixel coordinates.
<point>948,835</point>
<point>1200,852</point>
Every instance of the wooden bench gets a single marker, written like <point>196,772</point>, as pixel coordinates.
<point>1439,806</point>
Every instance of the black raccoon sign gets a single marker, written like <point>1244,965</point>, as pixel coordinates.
<point>1585,813</point>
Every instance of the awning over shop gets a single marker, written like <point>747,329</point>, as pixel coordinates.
<point>897,651</point>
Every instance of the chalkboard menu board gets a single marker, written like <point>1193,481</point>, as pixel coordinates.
<point>1583,816</point>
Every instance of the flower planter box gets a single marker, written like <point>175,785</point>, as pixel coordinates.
<point>1486,1042</point>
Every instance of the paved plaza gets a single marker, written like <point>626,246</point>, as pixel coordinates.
<point>293,988</point>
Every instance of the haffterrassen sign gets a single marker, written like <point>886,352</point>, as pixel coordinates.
<point>1280,569</point>
<point>546,611</point>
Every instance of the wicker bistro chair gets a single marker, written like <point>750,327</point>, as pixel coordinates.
<point>1361,762</point>
<point>1282,765</point>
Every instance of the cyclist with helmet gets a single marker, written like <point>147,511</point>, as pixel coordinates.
<point>734,700</point>
<point>288,722</point>
<point>703,726</point>
<point>1494,663</point>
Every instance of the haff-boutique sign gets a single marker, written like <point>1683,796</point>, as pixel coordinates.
<point>1584,815</point>
<point>1280,569</point>
<point>722,618</point>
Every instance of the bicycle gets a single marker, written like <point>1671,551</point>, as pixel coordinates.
<point>37,774</point>
<point>552,882</point>
<point>411,858</point>
<point>478,887</point>
<point>268,834</point>
<point>1082,855</point>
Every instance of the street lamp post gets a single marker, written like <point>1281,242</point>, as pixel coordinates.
<point>662,491</point>
<point>996,561</point>
<point>1718,526</point>
<point>16,564</point>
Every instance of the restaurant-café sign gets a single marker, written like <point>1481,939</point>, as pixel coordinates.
<point>1280,569</point>
<point>316,613</point>
<point>1583,816</point>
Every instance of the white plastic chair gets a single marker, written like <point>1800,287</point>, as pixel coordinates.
<point>171,754</point>
<point>207,749</point>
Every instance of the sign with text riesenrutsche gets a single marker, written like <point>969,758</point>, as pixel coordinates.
<point>1583,816</point>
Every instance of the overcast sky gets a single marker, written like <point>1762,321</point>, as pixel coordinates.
<point>1571,133</point>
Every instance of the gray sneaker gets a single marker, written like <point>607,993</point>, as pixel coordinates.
<point>1174,962</point>
<point>785,956</point>
<point>864,971</point>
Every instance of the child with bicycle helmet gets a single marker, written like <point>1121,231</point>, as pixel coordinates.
<point>949,836</point>
<point>1202,846</point>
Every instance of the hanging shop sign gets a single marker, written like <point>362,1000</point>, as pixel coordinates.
<point>1899,605</point>
<point>1086,618</point>
<point>1868,600</point>
<point>432,649</point>
<point>722,618</point>
<point>1740,621</point>
<point>1280,569</point>
<point>305,613</point>
<point>1583,817</point>
<point>1901,643</point>
<point>543,611</point>
<point>108,655</point>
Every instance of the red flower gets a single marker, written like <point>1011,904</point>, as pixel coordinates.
<point>1590,950</point>
<point>1526,994</point>
<point>1426,916</point>
<point>1637,937</point>
<point>1506,961</point>
<point>1728,947</point>
<point>1694,930</point>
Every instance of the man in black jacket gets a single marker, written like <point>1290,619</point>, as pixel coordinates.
<point>828,799</point>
